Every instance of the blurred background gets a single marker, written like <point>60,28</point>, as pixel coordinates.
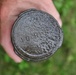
<point>63,62</point>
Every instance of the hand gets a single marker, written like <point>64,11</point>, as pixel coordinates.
<point>9,13</point>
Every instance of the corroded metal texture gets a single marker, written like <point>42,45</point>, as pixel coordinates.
<point>36,35</point>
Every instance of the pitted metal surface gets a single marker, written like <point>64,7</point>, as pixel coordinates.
<point>36,35</point>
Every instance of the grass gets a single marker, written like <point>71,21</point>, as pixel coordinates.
<point>63,62</point>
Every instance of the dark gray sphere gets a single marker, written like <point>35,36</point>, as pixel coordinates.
<point>36,35</point>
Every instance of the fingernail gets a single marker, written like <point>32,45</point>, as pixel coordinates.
<point>60,23</point>
<point>18,60</point>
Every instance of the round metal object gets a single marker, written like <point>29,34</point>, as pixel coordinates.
<point>36,35</point>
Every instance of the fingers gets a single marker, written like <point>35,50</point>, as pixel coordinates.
<point>6,43</point>
<point>6,25</point>
<point>51,9</point>
<point>10,51</point>
<point>55,13</point>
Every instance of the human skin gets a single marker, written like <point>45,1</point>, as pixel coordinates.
<point>10,10</point>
